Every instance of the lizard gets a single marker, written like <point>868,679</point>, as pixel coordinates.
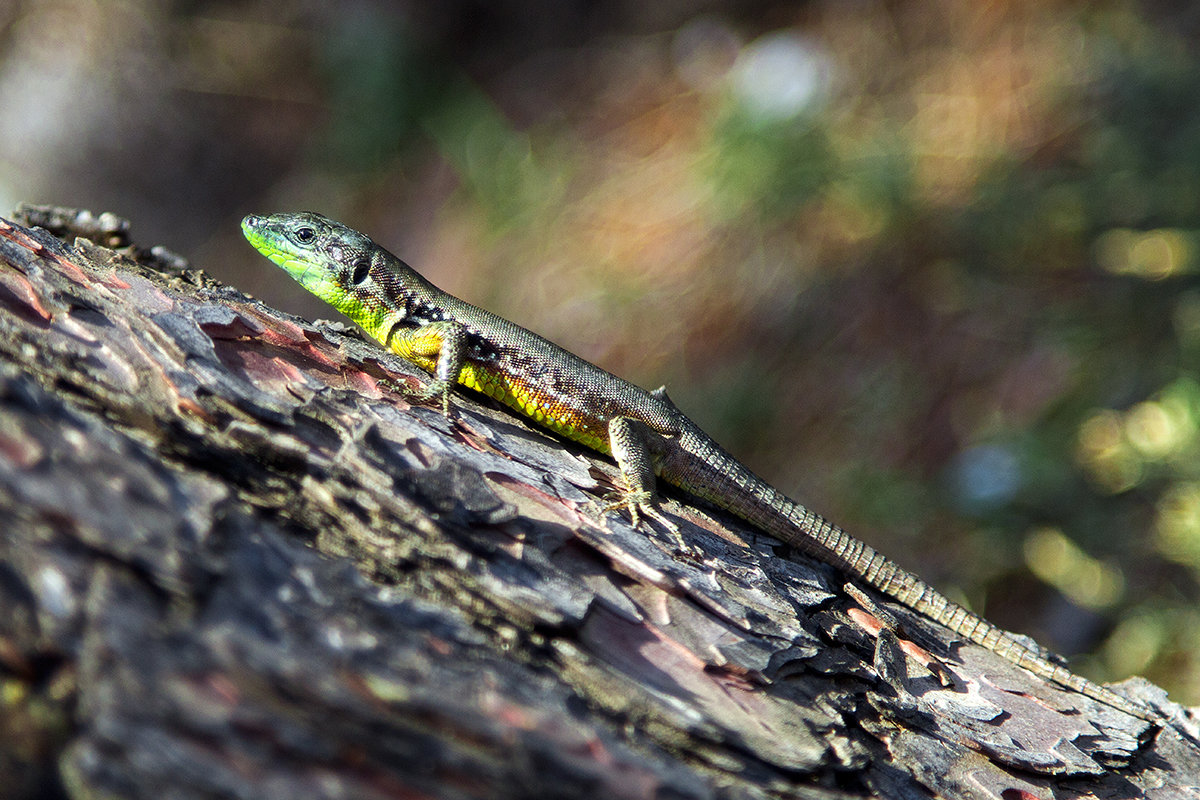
<point>643,431</point>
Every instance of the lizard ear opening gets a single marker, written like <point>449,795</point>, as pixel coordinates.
<point>362,268</point>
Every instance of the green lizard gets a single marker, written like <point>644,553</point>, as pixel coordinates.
<point>643,431</point>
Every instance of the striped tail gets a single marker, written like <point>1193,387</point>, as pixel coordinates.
<point>818,537</point>
<point>700,466</point>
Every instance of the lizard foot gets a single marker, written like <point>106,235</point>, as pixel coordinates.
<point>639,503</point>
<point>432,390</point>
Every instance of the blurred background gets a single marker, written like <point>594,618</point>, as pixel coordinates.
<point>929,267</point>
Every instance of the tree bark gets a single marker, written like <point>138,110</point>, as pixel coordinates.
<point>236,562</point>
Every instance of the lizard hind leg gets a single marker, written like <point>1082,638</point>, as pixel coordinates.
<point>629,446</point>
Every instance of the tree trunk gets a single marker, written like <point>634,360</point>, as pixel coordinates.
<point>236,562</point>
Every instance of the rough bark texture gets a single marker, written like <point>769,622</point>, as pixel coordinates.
<point>233,564</point>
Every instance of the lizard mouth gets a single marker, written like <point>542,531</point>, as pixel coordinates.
<point>275,247</point>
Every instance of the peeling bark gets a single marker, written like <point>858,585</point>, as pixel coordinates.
<point>236,563</point>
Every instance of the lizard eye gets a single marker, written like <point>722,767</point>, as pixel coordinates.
<point>305,235</point>
<point>361,269</point>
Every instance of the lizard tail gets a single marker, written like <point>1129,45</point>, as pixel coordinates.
<point>821,538</point>
<point>702,468</point>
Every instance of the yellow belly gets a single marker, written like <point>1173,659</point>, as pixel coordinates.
<point>537,406</point>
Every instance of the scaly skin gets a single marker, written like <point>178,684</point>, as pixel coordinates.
<point>457,342</point>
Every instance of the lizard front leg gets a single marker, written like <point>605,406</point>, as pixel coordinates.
<point>440,348</point>
<point>632,445</point>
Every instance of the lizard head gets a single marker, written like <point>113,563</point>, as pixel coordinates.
<point>338,264</point>
<point>322,255</point>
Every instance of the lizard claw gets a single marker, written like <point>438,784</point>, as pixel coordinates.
<point>431,390</point>
<point>636,503</point>
<point>639,503</point>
